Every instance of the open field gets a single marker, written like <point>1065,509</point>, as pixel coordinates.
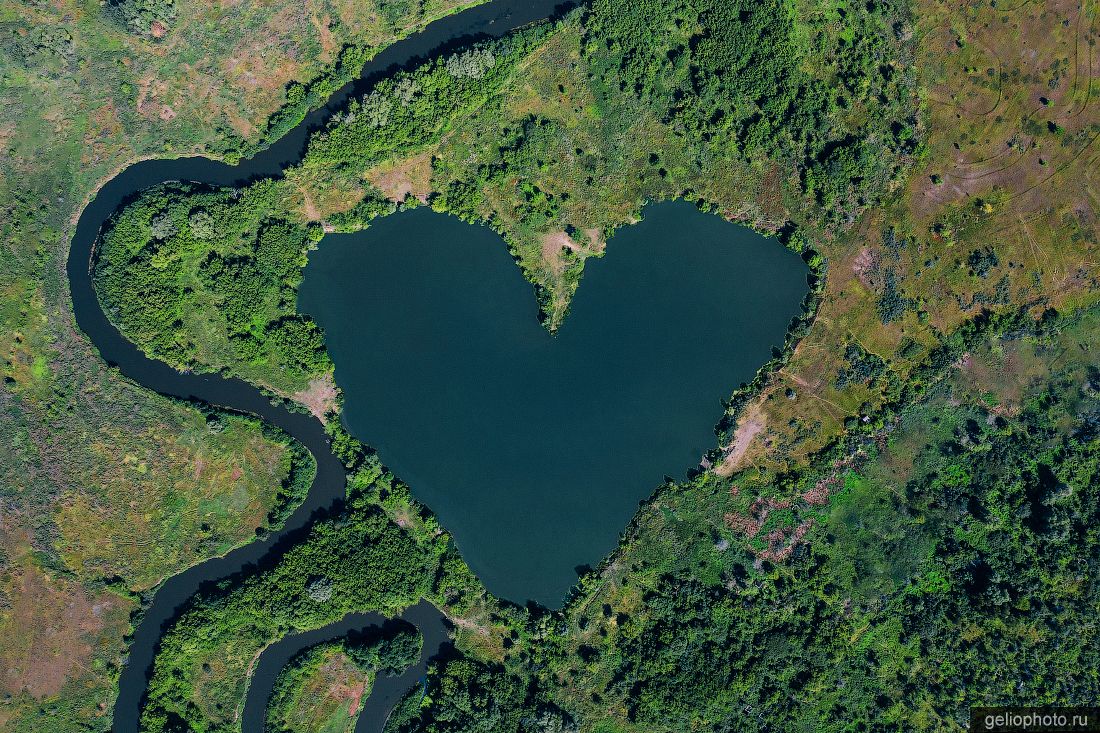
<point>331,696</point>
<point>979,238</point>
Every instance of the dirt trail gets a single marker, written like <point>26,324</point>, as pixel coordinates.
<point>751,424</point>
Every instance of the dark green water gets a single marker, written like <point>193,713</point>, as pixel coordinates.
<point>534,450</point>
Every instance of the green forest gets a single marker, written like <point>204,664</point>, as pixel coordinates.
<point>896,522</point>
<point>181,258</point>
<point>357,561</point>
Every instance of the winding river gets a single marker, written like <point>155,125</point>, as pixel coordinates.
<point>491,20</point>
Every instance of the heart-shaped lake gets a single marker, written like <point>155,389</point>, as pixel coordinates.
<point>534,450</point>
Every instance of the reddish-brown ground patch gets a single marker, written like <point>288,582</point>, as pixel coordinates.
<point>554,243</point>
<point>46,633</point>
<point>781,542</point>
<point>749,524</point>
<point>595,239</point>
<point>770,197</point>
<point>337,671</point>
<point>867,267</point>
<point>319,397</point>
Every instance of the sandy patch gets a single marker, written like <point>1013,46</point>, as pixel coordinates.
<point>554,243</point>
<point>309,208</point>
<point>470,625</point>
<point>595,239</point>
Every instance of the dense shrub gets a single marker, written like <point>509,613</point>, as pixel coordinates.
<point>184,258</point>
<point>145,17</point>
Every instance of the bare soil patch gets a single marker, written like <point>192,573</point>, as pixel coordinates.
<point>554,243</point>
<point>867,266</point>
<point>411,176</point>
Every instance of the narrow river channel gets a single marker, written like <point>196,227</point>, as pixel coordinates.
<point>485,21</point>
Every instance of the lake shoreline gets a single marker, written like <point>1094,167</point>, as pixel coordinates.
<point>327,492</point>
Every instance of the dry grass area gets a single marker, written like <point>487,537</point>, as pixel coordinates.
<point>54,630</point>
<point>399,179</point>
<point>94,523</point>
<point>480,633</point>
<point>1010,168</point>
<point>317,197</point>
<point>162,506</point>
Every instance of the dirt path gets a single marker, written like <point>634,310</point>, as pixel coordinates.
<point>751,424</point>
